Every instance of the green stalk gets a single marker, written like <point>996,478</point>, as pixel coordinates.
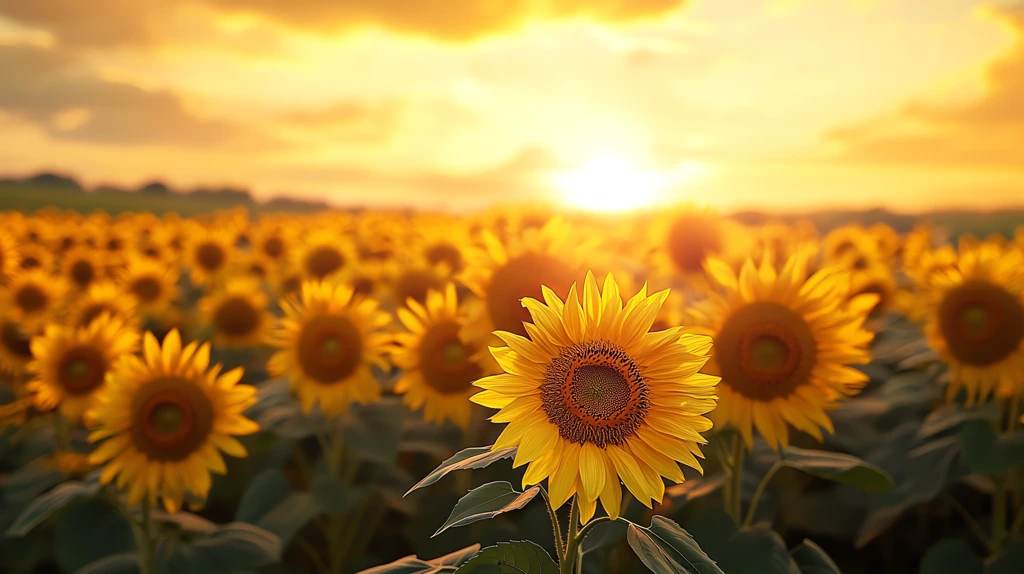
<point>144,542</point>
<point>572,542</point>
<point>738,450</point>
<point>553,517</point>
<point>760,492</point>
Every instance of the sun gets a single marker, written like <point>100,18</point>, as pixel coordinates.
<point>609,182</point>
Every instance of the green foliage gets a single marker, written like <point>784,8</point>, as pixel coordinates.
<point>414,565</point>
<point>811,559</point>
<point>486,502</point>
<point>88,530</point>
<point>666,548</point>
<point>988,453</point>
<point>511,558</point>
<point>49,503</point>
<point>838,467</point>
<point>474,457</point>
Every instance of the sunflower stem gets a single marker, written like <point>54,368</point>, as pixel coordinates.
<point>999,515</point>
<point>738,450</point>
<point>144,540</point>
<point>572,541</point>
<point>760,492</point>
<point>972,524</point>
<point>553,516</point>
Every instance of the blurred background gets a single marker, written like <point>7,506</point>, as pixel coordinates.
<point>771,105</point>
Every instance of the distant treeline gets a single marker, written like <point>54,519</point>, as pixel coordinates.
<point>57,183</point>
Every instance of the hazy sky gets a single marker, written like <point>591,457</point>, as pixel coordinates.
<point>910,104</point>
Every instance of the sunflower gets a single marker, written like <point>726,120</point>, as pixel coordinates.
<point>592,397</point>
<point>975,317</point>
<point>782,343</point>
<point>852,246</point>
<point>414,281</point>
<point>9,257</point>
<point>271,241</point>
<point>328,340</point>
<point>70,364</point>
<point>877,278</point>
<point>209,254</point>
<point>502,274</point>
<point>102,297</point>
<point>82,266</point>
<point>35,256</point>
<point>165,419</point>
<point>442,242</point>
<point>152,284</point>
<point>439,365</point>
<point>683,240</point>
<point>15,346</point>
<point>323,254</point>
<point>238,313</point>
<point>32,297</point>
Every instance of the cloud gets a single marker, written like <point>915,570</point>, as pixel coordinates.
<point>351,120</point>
<point>54,92</point>
<point>89,23</point>
<point>985,131</point>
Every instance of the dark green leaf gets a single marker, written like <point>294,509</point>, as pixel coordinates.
<point>604,535</point>
<point>988,453</point>
<point>811,559</point>
<point>511,558</point>
<point>290,516</point>
<point>372,431</point>
<point>87,531</point>
<point>486,502</point>
<point>126,563</point>
<point>838,467</point>
<point>413,565</point>
<point>950,556</point>
<point>267,490</point>
<point>474,457</point>
<point>186,521</point>
<point>757,550</point>
<point>666,548</point>
<point>50,502</point>
<point>236,546</point>
<point>334,495</point>
<point>1010,561</point>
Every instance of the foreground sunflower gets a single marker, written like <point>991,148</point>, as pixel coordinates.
<point>328,340</point>
<point>593,397</point>
<point>439,366</point>
<point>164,420</point>
<point>70,364</point>
<point>238,313</point>
<point>782,343</point>
<point>975,320</point>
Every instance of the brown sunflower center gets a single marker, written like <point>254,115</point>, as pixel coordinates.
<point>257,270</point>
<point>594,392</point>
<point>445,253</point>
<point>147,289</point>
<point>765,350</point>
<point>323,261</point>
<point>445,360</point>
<point>414,283</point>
<point>523,277</point>
<point>82,273</point>
<point>81,369</point>
<point>236,317</point>
<point>291,285</point>
<point>114,244</point>
<point>210,256</point>
<point>273,247</point>
<point>15,341</point>
<point>362,286</point>
<point>30,262</point>
<point>67,243</point>
<point>330,349</point>
<point>31,299</point>
<point>981,322</point>
<point>691,239</point>
<point>172,418</point>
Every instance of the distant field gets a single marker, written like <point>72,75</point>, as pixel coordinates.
<point>28,199</point>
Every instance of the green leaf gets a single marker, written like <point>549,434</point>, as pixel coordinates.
<point>186,521</point>
<point>413,565</point>
<point>126,563</point>
<point>811,559</point>
<point>474,457</point>
<point>45,505</point>
<point>372,430</point>
<point>1010,561</point>
<point>87,531</point>
<point>266,490</point>
<point>988,453</point>
<point>950,556</point>
<point>757,550</point>
<point>290,516</point>
<point>333,494</point>
<point>511,558</point>
<point>666,548</point>
<point>838,467</point>
<point>232,547</point>
<point>486,502</point>
<point>604,535</point>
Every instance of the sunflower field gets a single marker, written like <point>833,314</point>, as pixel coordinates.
<point>517,391</point>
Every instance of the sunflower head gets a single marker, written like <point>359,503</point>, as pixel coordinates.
<point>70,364</point>
<point>593,397</point>
<point>209,254</point>
<point>237,312</point>
<point>164,420</point>
<point>32,297</point>
<point>324,253</point>
<point>10,259</point>
<point>439,365</point>
<point>81,267</point>
<point>328,339</point>
<point>783,341</point>
<point>35,257</point>
<point>152,284</point>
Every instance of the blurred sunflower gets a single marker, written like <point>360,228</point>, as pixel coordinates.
<point>853,246</point>
<point>322,254</point>
<point>35,256</point>
<point>879,279</point>
<point>208,254</point>
<point>782,343</point>
<point>439,366</point>
<point>887,240</point>
<point>502,274</point>
<point>975,315</point>
<point>592,397</point>
<point>238,313</point>
<point>271,241</point>
<point>70,364</point>
<point>32,297</point>
<point>328,340</point>
<point>82,266</point>
<point>415,280</point>
<point>153,285</point>
<point>15,346</point>
<point>165,419</point>
<point>102,297</point>
<point>683,240</point>
<point>9,257</point>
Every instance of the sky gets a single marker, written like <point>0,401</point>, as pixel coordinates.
<point>461,104</point>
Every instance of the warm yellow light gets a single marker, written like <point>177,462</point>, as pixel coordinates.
<point>609,183</point>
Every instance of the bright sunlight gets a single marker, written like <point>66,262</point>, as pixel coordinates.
<point>608,182</point>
